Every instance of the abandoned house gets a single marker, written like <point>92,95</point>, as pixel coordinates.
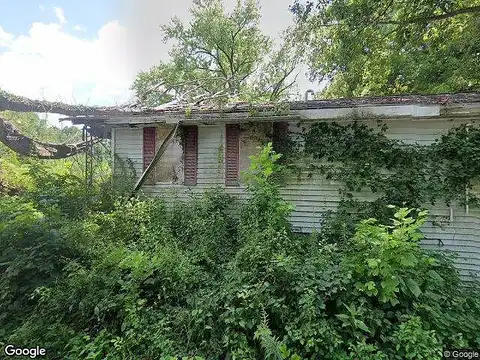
<point>216,144</point>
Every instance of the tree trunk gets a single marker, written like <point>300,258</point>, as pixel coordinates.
<point>21,144</point>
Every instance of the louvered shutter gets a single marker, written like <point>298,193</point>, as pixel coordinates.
<point>148,151</point>
<point>190,155</point>
<point>232,154</point>
<point>148,146</point>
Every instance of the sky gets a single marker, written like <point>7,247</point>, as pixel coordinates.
<point>89,51</point>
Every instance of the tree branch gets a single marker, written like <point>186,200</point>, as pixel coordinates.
<point>277,89</point>
<point>21,144</point>
<point>215,57</point>
<point>23,104</point>
<point>219,62</point>
<point>415,20</point>
<point>468,10</point>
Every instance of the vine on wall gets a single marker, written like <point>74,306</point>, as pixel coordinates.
<point>363,158</point>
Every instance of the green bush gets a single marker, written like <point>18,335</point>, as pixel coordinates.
<point>211,278</point>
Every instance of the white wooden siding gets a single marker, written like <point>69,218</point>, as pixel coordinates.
<point>128,144</point>
<point>312,197</point>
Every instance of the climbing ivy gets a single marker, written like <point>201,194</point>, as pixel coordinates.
<point>362,157</point>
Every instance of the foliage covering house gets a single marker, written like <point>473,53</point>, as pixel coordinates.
<point>215,145</point>
<point>349,156</point>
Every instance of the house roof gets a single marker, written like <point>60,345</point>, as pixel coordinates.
<point>80,114</point>
<point>254,111</point>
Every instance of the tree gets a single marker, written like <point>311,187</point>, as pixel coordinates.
<point>219,55</point>
<point>14,168</point>
<point>383,47</point>
<point>23,144</point>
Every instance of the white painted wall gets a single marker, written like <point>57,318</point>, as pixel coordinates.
<point>313,197</point>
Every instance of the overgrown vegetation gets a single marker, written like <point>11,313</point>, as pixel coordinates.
<point>87,273</point>
<point>210,278</point>
<point>15,170</point>
<point>385,47</point>
<point>361,158</point>
<point>60,185</point>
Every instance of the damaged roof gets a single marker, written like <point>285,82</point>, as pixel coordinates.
<point>80,114</point>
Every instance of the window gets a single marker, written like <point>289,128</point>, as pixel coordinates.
<point>169,169</point>
<point>243,141</point>
<point>178,164</point>
<point>280,133</point>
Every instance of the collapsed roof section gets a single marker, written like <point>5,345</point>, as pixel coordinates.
<point>101,119</point>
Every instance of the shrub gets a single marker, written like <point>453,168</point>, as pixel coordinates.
<point>209,278</point>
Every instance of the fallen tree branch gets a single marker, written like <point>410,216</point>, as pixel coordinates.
<point>22,104</point>
<point>24,145</point>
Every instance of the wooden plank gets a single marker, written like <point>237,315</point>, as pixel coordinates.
<point>157,157</point>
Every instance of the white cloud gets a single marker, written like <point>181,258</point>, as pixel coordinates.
<point>49,63</point>
<point>79,28</point>
<point>5,38</point>
<point>53,65</point>
<point>60,15</point>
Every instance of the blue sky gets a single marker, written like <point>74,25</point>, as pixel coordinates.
<point>90,51</point>
<point>72,51</point>
<point>16,16</point>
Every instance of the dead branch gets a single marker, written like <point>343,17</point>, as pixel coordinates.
<point>24,145</point>
<point>22,104</point>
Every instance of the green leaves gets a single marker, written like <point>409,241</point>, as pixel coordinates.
<point>368,47</point>
<point>362,158</point>
<point>435,276</point>
<point>413,287</point>
<point>262,166</point>
<point>373,263</point>
<point>391,258</point>
<point>361,325</point>
<point>413,341</point>
<point>352,319</point>
<point>408,260</point>
<point>219,56</point>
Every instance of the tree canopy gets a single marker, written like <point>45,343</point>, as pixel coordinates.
<point>219,55</point>
<point>366,47</point>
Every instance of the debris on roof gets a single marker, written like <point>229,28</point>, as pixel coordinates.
<point>23,104</point>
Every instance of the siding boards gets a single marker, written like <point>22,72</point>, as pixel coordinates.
<point>313,197</point>
<point>461,236</point>
<point>129,145</point>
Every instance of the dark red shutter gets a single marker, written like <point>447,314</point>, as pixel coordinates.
<point>148,146</point>
<point>190,154</point>
<point>232,147</point>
